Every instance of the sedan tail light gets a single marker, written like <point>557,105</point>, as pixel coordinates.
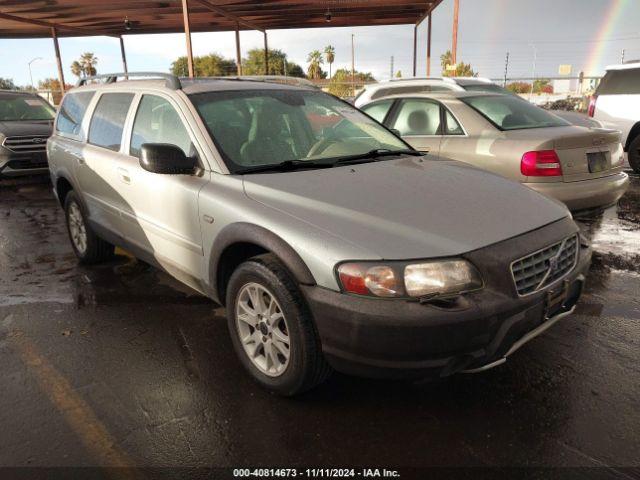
<point>543,163</point>
<point>592,105</point>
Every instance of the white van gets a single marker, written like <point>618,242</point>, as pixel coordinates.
<point>616,104</point>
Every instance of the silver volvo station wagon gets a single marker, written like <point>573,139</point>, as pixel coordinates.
<point>329,240</point>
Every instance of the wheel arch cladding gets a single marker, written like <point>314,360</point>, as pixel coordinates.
<point>238,242</point>
<point>63,187</point>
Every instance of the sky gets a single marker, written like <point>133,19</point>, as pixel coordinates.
<point>587,34</point>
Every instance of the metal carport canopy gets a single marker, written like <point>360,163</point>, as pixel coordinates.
<point>33,18</point>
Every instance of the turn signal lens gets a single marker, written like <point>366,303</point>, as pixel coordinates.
<point>544,163</point>
<point>376,280</point>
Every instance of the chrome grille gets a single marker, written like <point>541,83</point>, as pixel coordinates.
<point>544,267</point>
<point>26,144</point>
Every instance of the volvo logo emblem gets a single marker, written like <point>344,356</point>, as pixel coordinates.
<point>553,264</point>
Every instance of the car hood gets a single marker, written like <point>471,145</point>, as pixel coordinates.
<point>405,208</point>
<point>11,129</point>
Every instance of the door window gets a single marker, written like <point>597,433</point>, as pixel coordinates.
<point>107,123</point>
<point>158,122</point>
<point>72,112</point>
<point>418,117</point>
<point>378,110</point>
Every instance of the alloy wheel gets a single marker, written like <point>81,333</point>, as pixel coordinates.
<point>77,228</point>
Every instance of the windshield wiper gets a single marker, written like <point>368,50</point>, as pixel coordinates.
<point>286,166</point>
<point>375,154</point>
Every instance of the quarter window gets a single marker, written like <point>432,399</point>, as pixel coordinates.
<point>620,82</point>
<point>418,117</point>
<point>158,122</point>
<point>107,123</point>
<point>378,110</point>
<point>72,112</point>
<point>452,127</point>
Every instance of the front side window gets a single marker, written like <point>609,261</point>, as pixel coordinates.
<point>107,123</point>
<point>512,113</point>
<point>158,122</point>
<point>17,108</point>
<point>72,112</point>
<point>268,127</point>
<point>378,110</point>
<point>418,117</point>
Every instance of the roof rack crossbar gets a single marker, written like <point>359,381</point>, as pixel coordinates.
<point>171,81</point>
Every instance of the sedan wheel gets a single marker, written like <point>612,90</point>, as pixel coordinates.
<point>262,328</point>
<point>77,229</point>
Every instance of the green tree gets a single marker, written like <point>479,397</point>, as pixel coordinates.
<point>399,74</point>
<point>315,60</point>
<point>462,69</point>
<point>211,65</point>
<point>341,86</point>
<point>519,87</point>
<point>77,69</point>
<point>542,85</point>
<point>7,84</point>
<point>88,62</point>
<point>253,64</point>
<point>330,55</point>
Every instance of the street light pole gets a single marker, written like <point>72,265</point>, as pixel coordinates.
<point>533,73</point>
<point>30,75</point>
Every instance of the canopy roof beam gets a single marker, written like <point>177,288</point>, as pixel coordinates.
<point>57,26</point>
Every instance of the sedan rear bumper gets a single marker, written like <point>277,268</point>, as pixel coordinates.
<point>585,194</point>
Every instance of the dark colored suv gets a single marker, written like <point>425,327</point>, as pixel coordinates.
<point>26,121</point>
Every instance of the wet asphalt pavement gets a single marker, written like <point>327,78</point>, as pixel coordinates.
<point>119,365</point>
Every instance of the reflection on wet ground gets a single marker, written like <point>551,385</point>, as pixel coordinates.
<point>121,365</point>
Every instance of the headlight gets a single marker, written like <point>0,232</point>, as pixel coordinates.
<point>402,279</point>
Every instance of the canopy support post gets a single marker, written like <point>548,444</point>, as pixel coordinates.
<point>56,46</point>
<point>187,32</point>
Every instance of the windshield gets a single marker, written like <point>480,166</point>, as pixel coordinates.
<point>268,127</point>
<point>507,112</point>
<point>23,108</point>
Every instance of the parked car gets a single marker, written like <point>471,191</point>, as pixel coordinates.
<point>25,124</point>
<point>579,166</point>
<point>409,86</point>
<point>616,104</point>
<point>342,248</point>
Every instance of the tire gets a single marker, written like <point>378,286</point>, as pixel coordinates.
<point>634,154</point>
<point>93,249</point>
<point>305,367</point>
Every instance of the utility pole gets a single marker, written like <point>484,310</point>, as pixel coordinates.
<point>622,56</point>
<point>454,41</point>
<point>353,65</point>
<point>506,70</point>
<point>391,70</point>
<point>533,73</point>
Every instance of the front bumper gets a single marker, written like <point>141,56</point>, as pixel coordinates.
<point>585,194</point>
<point>406,339</point>
<point>16,165</point>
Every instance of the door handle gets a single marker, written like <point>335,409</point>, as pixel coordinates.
<point>124,175</point>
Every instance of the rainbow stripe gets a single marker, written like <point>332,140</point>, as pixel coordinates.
<point>596,57</point>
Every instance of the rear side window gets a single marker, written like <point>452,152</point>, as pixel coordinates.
<point>418,117</point>
<point>620,82</point>
<point>378,110</point>
<point>158,122</point>
<point>72,112</point>
<point>452,127</point>
<point>107,123</point>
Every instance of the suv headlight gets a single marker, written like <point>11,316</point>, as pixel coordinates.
<point>402,279</point>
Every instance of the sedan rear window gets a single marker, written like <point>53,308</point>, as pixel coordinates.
<point>512,113</point>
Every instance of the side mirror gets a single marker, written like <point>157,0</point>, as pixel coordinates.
<point>166,159</point>
<point>396,132</point>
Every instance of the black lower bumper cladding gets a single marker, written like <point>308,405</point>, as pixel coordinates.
<point>392,338</point>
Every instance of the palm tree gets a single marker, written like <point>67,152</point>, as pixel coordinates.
<point>77,69</point>
<point>89,61</point>
<point>330,54</point>
<point>315,60</point>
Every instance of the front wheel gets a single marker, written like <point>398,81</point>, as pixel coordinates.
<point>634,154</point>
<point>271,328</point>
<point>88,247</point>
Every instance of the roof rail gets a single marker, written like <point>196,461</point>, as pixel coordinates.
<point>301,82</point>
<point>171,81</point>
